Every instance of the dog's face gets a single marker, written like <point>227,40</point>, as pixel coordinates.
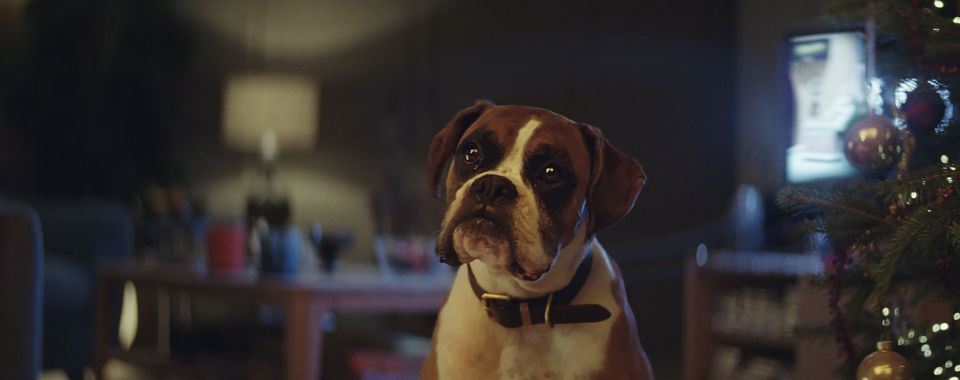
<point>521,184</point>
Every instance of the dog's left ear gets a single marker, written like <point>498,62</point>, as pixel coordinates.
<point>615,181</point>
<point>445,141</point>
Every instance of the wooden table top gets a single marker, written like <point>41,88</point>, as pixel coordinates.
<point>347,284</point>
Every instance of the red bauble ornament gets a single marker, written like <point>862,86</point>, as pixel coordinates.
<point>872,144</point>
<point>923,110</point>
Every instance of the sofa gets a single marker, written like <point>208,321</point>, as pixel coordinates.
<point>21,290</point>
<point>77,236</point>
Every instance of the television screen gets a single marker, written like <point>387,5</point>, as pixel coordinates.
<point>828,83</point>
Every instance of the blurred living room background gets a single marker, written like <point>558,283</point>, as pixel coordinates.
<point>164,132</point>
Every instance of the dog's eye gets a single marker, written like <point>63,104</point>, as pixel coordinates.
<point>552,173</point>
<point>471,154</point>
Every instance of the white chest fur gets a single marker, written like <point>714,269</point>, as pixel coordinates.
<point>471,346</point>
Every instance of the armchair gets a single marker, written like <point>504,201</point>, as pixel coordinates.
<point>21,288</point>
<point>77,236</point>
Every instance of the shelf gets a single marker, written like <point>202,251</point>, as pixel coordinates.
<point>711,278</point>
<point>759,264</point>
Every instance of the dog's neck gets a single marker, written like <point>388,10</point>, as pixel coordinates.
<point>499,281</point>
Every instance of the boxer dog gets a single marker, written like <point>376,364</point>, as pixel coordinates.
<point>535,295</point>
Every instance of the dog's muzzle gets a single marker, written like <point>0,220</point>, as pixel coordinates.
<point>483,211</point>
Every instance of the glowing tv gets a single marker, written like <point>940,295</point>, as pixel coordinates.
<point>828,86</point>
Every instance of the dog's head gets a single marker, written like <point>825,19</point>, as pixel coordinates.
<point>521,185</point>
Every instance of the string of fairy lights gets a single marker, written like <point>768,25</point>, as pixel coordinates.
<point>935,343</point>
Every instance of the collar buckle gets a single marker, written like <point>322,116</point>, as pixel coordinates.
<point>490,299</point>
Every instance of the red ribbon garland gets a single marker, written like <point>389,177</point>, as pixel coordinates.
<point>948,69</point>
<point>841,330</point>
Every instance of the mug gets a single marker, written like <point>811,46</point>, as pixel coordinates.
<point>280,252</point>
<point>226,246</point>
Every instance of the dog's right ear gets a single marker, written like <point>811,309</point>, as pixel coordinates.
<point>615,181</point>
<point>445,141</point>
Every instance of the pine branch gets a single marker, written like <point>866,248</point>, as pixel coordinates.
<point>912,250</point>
<point>953,235</point>
<point>921,181</point>
<point>885,269</point>
<point>799,200</point>
<point>850,231</point>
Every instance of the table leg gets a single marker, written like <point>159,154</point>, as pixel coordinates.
<point>304,337</point>
<point>163,323</point>
<point>101,329</point>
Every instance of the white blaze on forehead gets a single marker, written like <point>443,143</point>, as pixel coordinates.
<point>513,162</point>
<point>532,254</point>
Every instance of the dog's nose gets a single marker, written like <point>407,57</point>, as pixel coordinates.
<point>493,190</point>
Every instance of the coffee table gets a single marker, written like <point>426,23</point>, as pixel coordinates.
<point>304,298</point>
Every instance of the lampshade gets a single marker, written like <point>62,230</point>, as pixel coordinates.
<point>267,112</point>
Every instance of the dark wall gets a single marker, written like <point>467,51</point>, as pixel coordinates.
<point>87,89</point>
<point>656,77</point>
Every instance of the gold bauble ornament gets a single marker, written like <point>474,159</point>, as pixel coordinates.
<point>885,364</point>
<point>872,144</point>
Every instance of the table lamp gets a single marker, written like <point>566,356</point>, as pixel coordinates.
<point>266,113</point>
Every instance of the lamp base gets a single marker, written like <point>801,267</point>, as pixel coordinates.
<point>268,200</point>
<point>275,211</point>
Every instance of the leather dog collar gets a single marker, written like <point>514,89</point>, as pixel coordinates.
<point>550,309</point>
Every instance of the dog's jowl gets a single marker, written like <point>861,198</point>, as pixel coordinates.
<point>535,295</point>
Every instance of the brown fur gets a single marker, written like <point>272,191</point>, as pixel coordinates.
<point>625,356</point>
<point>616,181</point>
<point>429,369</point>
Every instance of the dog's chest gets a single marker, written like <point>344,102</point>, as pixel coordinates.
<point>470,346</point>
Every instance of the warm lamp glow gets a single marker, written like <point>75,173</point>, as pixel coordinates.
<point>129,318</point>
<point>269,112</point>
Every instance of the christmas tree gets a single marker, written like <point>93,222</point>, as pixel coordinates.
<point>896,229</point>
